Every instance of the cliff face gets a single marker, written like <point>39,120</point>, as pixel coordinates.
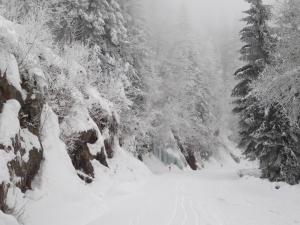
<point>88,126</point>
<point>20,147</point>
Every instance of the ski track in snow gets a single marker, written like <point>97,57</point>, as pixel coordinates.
<point>212,197</point>
<point>175,210</point>
<point>183,206</point>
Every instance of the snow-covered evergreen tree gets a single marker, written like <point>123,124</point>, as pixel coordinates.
<point>256,53</point>
<point>278,136</point>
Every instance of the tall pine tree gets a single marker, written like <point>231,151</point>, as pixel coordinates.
<point>256,54</point>
<point>266,132</point>
<point>278,137</point>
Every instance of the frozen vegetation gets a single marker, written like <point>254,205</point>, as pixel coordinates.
<point>143,112</point>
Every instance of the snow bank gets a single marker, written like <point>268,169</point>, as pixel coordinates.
<point>59,196</point>
<point>123,168</point>
<point>9,122</point>
<point>7,219</point>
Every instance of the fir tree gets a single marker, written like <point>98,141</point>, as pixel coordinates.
<point>277,144</point>
<point>256,52</point>
<point>266,132</point>
<point>278,136</point>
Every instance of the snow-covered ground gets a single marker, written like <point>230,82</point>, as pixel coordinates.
<point>128,194</point>
<point>208,197</point>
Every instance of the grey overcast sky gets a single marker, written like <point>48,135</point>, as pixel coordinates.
<point>208,13</point>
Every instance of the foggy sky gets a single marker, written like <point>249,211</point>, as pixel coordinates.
<point>202,15</point>
<point>206,17</point>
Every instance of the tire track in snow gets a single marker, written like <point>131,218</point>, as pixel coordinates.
<point>195,213</point>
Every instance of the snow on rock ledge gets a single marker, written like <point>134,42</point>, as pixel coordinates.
<point>20,154</point>
<point>20,149</point>
<point>83,140</point>
<point>90,131</point>
<point>9,70</point>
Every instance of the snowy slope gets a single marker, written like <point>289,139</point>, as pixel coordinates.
<point>59,197</point>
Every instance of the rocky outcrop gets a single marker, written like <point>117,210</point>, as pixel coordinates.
<point>101,157</point>
<point>26,164</point>
<point>8,91</point>
<point>25,156</point>
<point>19,130</point>
<point>187,152</point>
<point>89,135</point>
<point>3,195</point>
<point>31,109</point>
<point>80,154</point>
<point>191,160</point>
<point>79,145</point>
<point>108,126</point>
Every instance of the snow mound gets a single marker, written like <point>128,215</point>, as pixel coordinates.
<point>7,219</point>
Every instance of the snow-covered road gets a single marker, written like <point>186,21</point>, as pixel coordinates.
<point>208,197</point>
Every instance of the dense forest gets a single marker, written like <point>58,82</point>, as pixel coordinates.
<point>106,89</point>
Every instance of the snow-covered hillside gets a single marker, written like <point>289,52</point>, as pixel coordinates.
<point>46,163</point>
<point>119,112</point>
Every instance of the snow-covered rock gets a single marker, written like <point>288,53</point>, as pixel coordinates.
<point>9,123</point>
<point>20,149</point>
<point>59,196</point>
<point>9,70</point>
